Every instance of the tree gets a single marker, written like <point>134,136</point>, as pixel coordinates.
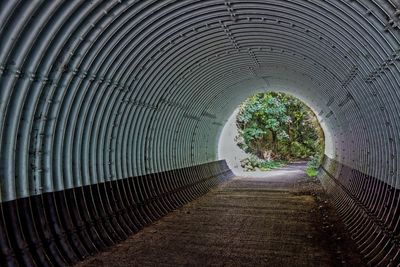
<point>278,126</point>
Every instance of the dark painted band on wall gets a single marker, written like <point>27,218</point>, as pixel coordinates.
<point>370,209</point>
<point>64,227</point>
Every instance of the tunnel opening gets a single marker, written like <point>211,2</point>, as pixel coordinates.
<point>270,130</point>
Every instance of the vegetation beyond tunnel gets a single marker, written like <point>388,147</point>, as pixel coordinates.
<point>276,127</point>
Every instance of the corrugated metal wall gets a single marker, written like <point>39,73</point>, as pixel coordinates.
<point>98,92</point>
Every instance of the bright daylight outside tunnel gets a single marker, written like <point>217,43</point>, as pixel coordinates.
<point>111,113</point>
<point>270,130</point>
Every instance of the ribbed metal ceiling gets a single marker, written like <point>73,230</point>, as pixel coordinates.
<point>99,90</point>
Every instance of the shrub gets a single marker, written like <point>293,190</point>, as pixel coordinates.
<point>253,163</point>
<point>313,165</point>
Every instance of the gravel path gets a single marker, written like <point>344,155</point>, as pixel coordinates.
<point>276,220</point>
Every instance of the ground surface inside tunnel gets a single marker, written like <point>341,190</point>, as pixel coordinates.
<point>280,219</point>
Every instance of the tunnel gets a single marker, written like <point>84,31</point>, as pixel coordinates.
<point>111,112</point>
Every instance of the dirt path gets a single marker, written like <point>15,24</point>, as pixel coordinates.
<point>278,220</point>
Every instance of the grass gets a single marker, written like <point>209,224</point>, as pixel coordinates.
<point>270,165</point>
<point>311,172</point>
<point>253,163</point>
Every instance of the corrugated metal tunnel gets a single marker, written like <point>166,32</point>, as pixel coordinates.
<point>110,111</point>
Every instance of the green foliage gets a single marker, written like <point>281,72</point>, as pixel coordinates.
<point>311,172</point>
<point>312,166</point>
<point>278,127</point>
<point>314,162</point>
<point>253,163</point>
